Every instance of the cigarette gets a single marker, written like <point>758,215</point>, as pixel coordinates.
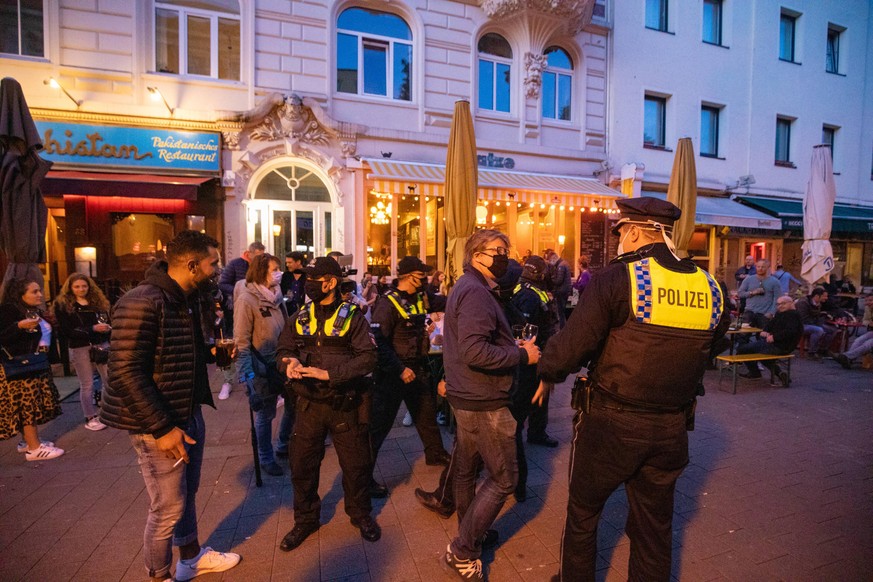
<point>176,464</point>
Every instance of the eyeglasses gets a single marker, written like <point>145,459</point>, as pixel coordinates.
<point>497,250</point>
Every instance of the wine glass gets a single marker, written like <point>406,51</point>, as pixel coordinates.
<point>102,317</point>
<point>518,331</point>
<point>32,315</point>
<point>530,332</point>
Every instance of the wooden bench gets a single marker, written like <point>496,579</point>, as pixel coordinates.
<point>735,361</point>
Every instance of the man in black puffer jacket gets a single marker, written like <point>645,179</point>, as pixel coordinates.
<point>157,383</point>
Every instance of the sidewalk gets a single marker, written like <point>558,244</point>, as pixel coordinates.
<point>780,487</point>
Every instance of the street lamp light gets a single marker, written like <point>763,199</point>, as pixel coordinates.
<point>158,96</point>
<point>54,84</point>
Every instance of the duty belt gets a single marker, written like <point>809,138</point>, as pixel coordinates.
<point>604,399</point>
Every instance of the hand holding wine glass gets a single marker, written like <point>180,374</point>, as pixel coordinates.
<point>530,332</point>
<point>31,321</point>
<point>102,322</point>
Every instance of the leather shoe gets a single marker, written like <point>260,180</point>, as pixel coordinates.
<point>272,469</point>
<point>378,491</point>
<point>783,377</point>
<point>440,458</point>
<point>490,539</point>
<point>543,440</point>
<point>749,376</point>
<point>370,530</point>
<point>296,536</point>
<point>844,361</point>
<point>520,493</point>
<point>430,501</point>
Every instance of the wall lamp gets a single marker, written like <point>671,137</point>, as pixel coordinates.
<point>53,83</point>
<point>158,96</point>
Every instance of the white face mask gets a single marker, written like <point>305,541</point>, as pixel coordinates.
<point>620,249</point>
<point>275,278</point>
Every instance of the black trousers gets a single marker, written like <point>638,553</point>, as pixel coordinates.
<point>315,420</point>
<point>645,451</point>
<point>420,399</point>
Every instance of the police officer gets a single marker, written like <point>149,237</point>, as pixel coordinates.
<point>645,324</point>
<point>399,325</point>
<point>326,350</point>
<point>538,308</point>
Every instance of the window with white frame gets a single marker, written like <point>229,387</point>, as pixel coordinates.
<point>712,13</point>
<point>710,118</point>
<point>829,138</point>
<point>373,54</point>
<point>495,67</point>
<point>832,62</point>
<point>198,37</point>
<point>656,15</point>
<point>787,35</point>
<point>654,125</point>
<point>557,84</point>
<point>21,23</point>
<point>783,141</point>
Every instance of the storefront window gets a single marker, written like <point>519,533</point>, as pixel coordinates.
<point>378,226</point>
<point>436,231</point>
<point>408,227</point>
<point>139,239</point>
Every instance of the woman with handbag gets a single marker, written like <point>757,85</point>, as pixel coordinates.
<point>28,396</point>
<point>258,318</point>
<point>82,311</point>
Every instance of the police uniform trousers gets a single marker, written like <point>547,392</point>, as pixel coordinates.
<point>420,400</point>
<point>315,420</point>
<point>646,452</point>
<point>522,410</point>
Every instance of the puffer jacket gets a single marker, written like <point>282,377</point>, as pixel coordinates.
<point>152,358</point>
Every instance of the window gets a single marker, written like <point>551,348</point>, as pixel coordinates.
<point>656,15</point>
<point>709,122</point>
<point>783,141</point>
<point>557,84</point>
<point>495,62</point>
<point>712,21</point>
<point>787,29</point>
<point>374,54</point>
<point>832,63</point>
<point>828,137</point>
<point>22,24</point>
<point>198,37</point>
<point>655,121</point>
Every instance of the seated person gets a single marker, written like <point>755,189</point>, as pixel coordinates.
<point>780,336</point>
<point>863,344</point>
<point>815,323</point>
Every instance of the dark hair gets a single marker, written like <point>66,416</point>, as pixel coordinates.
<point>259,267</point>
<point>297,256</point>
<point>13,291</point>
<point>190,244</point>
<point>479,241</point>
<point>817,292</point>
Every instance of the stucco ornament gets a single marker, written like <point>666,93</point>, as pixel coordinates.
<point>575,14</point>
<point>534,65</point>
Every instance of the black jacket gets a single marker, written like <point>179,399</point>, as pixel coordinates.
<point>154,363</point>
<point>78,326</point>
<point>786,328</point>
<point>13,339</point>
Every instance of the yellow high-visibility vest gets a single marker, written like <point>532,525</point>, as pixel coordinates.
<point>416,308</point>
<point>337,325</point>
<point>663,297</point>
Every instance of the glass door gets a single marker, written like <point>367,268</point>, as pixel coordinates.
<point>285,227</point>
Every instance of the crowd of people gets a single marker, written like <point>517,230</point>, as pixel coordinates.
<point>340,357</point>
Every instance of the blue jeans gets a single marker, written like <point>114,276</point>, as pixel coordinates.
<point>489,437</point>
<point>820,337</point>
<point>264,428</point>
<point>172,518</point>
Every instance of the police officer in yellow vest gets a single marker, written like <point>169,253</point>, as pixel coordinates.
<point>326,350</point>
<point>398,323</point>
<point>643,328</point>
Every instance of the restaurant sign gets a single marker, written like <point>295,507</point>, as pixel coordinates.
<point>129,148</point>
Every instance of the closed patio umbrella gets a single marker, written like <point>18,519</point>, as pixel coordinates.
<point>23,214</point>
<point>462,184</point>
<point>682,191</point>
<point>818,213</point>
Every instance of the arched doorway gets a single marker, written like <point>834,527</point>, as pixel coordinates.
<point>290,208</point>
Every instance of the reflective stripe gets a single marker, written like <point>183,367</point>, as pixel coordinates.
<point>411,309</point>
<point>544,297</point>
<point>681,300</point>
<point>337,325</point>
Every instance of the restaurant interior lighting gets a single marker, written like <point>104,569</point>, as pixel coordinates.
<point>277,229</point>
<point>158,96</point>
<point>53,83</point>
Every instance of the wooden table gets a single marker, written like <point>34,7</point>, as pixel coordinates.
<point>733,333</point>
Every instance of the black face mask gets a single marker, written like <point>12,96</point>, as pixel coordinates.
<point>499,265</point>
<point>314,291</point>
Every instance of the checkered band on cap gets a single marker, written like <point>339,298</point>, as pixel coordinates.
<point>716,300</point>
<point>644,291</point>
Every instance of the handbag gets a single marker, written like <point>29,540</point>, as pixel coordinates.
<point>275,381</point>
<point>99,353</point>
<point>16,367</point>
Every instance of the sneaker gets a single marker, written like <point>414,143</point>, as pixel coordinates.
<point>407,420</point>
<point>224,394</point>
<point>464,569</point>
<point>94,423</point>
<point>844,361</point>
<point>206,562</point>
<point>22,446</point>
<point>43,453</point>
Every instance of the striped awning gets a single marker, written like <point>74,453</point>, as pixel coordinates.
<point>395,177</point>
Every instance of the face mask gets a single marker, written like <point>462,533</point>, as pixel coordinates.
<point>620,249</point>
<point>419,287</point>
<point>275,278</point>
<point>499,264</point>
<point>314,291</point>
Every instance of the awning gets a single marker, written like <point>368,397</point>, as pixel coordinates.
<point>726,212</point>
<point>131,185</point>
<point>395,176</point>
<point>847,219</point>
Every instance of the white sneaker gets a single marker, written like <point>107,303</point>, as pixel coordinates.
<point>94,423</point>
<point>207,561</point>
<point>43,453</point>
<point>225,391</point>
<point>407,420</point>
<point>22,446</point>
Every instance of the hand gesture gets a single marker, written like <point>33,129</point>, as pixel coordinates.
<point>293,369</point>
<point>533,352</point>
<point>407,375</point>
<point>544,389</point>
<point>102,327</point>
<point>173,444</point>
<point>314,373</point>
<point>28,324</point>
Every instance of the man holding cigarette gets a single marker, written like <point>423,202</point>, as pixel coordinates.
<point>157,384</point>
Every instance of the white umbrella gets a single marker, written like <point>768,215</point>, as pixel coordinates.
<point>818,213</point>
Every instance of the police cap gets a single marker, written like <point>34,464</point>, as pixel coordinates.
<point>535,268</point>
<point>644,209</point>
<point>324,266</point>
<point>410,265</point>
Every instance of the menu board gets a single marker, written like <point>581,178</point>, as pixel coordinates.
<point>592,241</point>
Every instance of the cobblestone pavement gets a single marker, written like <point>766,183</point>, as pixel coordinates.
<point>780,487</point>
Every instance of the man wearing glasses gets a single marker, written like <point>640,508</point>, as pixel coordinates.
<point>481,357</point>
<point>780,336</point>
